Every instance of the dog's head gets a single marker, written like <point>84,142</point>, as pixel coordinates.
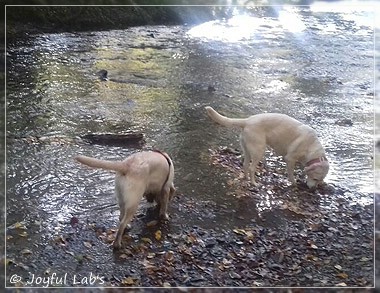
<point>316,173</point>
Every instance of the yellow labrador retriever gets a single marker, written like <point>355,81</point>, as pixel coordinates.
<point>148,173</point>
<point>288,137</point>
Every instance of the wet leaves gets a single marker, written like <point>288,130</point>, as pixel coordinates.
<point>18,225</point>
<point>129,281</point>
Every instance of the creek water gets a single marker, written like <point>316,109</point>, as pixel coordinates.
<point>317,68</point>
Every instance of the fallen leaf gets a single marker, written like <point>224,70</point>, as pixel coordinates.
<point>151,255</point>
<point>23,234</point>
<point>158,234</point>
<point>70,252</point>
<point>146,240</point>
<point>88,257</point>
<point>342,275</point>
<point>87,244</point>
<point>128,281</point>
<point>26,251</point>
<point>341,284</point>
<point>152,223</point>
<point>365,259</point>
<point>169,256</point>
<point>17,225</point>
<point>338,267</point>
<point>110,238</point>
<point>60,240</point>
<point>249,236</point>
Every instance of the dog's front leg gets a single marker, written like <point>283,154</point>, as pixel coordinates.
<point>246,163</point>
<point>290,164</point>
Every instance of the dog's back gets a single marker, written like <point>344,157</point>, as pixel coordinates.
<point>143,166</point>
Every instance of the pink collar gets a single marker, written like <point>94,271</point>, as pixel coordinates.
<point>317,160</point>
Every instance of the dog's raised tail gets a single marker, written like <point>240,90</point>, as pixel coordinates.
<point>225,121</point>
<point>117,166</point>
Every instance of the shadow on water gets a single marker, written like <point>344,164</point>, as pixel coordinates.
<point>160,80</point>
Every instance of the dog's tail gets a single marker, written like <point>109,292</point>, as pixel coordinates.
<point>117,166</point>
<point>225,121</point>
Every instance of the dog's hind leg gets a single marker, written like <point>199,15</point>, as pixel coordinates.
<point>119,195</point>
<point>129,199</point>
<point>171,192</point>
<point>127,217</point>
<point>164,201</point>
<point>247,159</point>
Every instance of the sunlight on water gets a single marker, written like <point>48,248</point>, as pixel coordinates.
<point>237,28</point>
<point>243,27</point>
<point>360,12</point>
<point>290,20</point>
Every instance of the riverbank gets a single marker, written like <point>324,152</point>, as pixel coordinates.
<point>48,19</point>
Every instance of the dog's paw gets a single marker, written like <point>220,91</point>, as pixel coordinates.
<point>164,217</point>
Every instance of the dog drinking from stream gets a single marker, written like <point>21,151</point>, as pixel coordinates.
<point>288,137</point>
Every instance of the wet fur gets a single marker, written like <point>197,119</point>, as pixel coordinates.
<point>288,137</point>
<point>142,174</point>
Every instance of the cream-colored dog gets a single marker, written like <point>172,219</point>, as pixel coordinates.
<point>148,173</point>
<point>288,137</point>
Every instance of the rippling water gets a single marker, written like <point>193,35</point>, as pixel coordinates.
<point>317,68</point>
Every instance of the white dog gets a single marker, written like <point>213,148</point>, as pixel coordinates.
<point>288,137</point>
<point>149,173</point>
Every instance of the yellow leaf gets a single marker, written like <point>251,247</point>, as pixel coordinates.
<point>239,231</point>
<point>128,281</point>
<point>23,234</point>
<point>249,235</point>
<point>17,225</point>
<point>342,275</point>
<point>158,234</point>
<point>146,240</point>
